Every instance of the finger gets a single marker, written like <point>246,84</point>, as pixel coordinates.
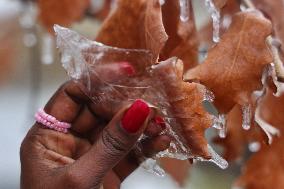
<point>155,145</point>
<point>67,102</point>
<point>85,122</point>
<point>115,141</point>
<point>111,181</point>
<point>155,127</point>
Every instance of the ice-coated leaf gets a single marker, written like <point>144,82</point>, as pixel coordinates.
<point>187,108</point>
<point>233,68</point>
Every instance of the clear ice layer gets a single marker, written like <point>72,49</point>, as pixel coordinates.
<point>88,62</point>
<point>216,17</point>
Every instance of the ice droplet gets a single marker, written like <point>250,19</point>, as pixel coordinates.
<point>184,10</point>
<point>246,113</point>
<point>215,15</point>
<point>152,166</point>
<point>220,124</point>
<point>254,146</point>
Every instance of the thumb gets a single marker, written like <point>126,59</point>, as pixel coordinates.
<point>115,141</point>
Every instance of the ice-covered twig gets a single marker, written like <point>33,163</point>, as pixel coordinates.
<point>269,130</point>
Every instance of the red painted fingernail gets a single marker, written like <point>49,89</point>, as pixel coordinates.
<point>160,121</point>
<point>135,116</point>
<point>127,68</point>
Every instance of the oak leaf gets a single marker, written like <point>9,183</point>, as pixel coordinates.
<point>186,106</point>
<point>233,68</point>
<point>63,12</point>
<point>265,168</point>
<point>145,24</point>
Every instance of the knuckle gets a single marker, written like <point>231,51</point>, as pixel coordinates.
<point>113,144</point>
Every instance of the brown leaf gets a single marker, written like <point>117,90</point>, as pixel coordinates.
<point>177,169</point>
<point>63,12</point>
<point>186,105</point>
<point>144,24</point>
<point>273,10</point>
<point>233,68</point>
<point>135,25</point>
<point>183,40</point>
<point>265,169</point>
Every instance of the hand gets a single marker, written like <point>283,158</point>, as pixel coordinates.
<point>94,150</point>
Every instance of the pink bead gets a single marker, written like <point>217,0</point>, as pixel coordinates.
<point>51,122</point>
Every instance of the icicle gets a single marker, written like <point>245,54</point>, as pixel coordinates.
<point>184,10</point>
<point>269,130</point>
<point>47,54</point>
<point>219,123</point>
<point>254,146</point>
<point>246,113</point>
<point>215,15</point>
<point>218,160</point>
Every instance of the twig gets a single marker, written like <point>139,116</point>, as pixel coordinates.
<point>279,68</point>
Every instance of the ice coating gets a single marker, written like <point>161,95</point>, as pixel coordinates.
<point>86,61</point>
<point>220,125</point>
<point>152,166</point>
<point>184,10</point>
<point>216,17</point>
<point>269,130</point>
<point>246,113</point>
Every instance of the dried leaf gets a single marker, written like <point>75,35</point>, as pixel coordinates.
<point>144,24</point>
<point>265,169</point>
<point>63,12</point>
<point>177,169</point>
<point>186,105</point>
<point>183,40</point>
<point>135,25</point>
<point>233,68</point>
<point>273,10</point>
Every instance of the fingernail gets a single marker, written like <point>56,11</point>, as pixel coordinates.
<point>160,121</point>
<point>127,68</point>
<point>135,116</point>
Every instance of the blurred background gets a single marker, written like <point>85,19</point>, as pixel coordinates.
<point>30,71</point>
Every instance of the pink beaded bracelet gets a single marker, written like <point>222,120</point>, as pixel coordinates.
<point>51,122</point>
